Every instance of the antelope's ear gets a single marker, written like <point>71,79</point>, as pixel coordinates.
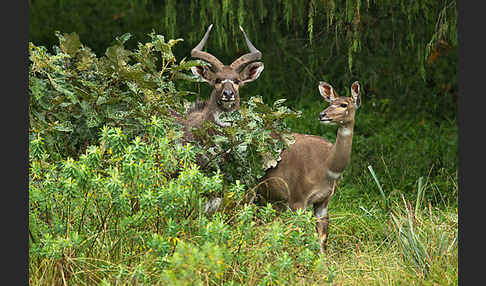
<point>356,93</point>
<point>327,91</point>
<point>251,72</point>
<point>203,72</point>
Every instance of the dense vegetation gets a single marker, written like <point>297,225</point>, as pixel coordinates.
<point>116,199</point>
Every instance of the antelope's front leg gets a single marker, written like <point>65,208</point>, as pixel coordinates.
<point>322,222</point>
<point>321,228</point>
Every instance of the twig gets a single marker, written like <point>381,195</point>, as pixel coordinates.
<point>99,230</point>
<point>221,153</point>
<point>253,189</point>
<point>31,236</point>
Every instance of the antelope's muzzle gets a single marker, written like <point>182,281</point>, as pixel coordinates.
<point>228,95</point>
<point>323,118</point>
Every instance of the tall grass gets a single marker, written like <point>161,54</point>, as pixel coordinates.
<point>425,241</point>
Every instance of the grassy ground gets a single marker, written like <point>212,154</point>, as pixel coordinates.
<point>365,248</point>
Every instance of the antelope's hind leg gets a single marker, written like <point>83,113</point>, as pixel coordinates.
<point>322,222</point>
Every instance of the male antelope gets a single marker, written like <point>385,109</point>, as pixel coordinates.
<point>310,169</point>
<point>225,80</point>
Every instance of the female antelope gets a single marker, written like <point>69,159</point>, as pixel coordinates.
<point>310,169</point>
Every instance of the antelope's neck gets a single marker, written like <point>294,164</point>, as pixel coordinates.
<point>212,109</point>
<point>340,151</point>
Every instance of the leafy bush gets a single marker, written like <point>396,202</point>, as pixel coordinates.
<point>107,163</point>
<point>192,265</point>
<point>73,93</point>
<point>251,144</point>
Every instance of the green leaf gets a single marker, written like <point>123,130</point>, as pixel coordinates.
<point>183,65</point>
<point>66,126</point>
<point>117,54</point>
<point>121,40</point>
<point>174,42</point>
<point>279,102</point>
<point>70,43</point>
<point>101,100</point>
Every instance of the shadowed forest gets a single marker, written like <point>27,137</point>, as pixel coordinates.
<point>119,192</point>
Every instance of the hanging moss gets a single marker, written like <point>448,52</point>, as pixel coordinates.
<point>310,16</point>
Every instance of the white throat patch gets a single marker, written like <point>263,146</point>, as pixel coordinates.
<point>345,131</point>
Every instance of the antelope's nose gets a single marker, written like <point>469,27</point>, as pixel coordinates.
<point>228,93</point>
<point>322,115</point>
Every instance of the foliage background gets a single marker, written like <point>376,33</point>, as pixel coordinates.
<point>404,53</point>
<point>386,44</point>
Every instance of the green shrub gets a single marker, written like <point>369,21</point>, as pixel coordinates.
<point>73,92</point>
<point>193,265</point>
<point>251,144</point>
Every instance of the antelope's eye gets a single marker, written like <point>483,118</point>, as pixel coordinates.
<point>218,80</point>
<point>236,81</point>
<point>344,105</point>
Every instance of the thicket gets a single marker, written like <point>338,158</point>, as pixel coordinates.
<point>106,158</point>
